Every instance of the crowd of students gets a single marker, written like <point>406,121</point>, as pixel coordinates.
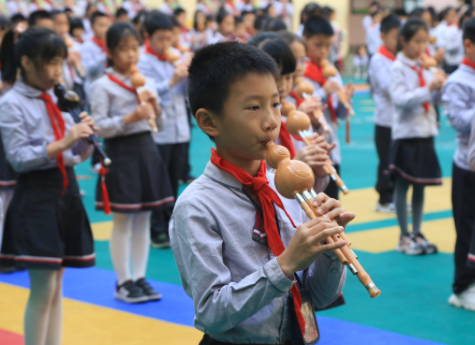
<point>245,65</point>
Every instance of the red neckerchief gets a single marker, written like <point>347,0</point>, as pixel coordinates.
<point>422,83</point>
<point>149,50</point>
<point>427,51</point>
<point>268,198</point>
<point>315,73</point>
<point>386,53</point>
<point>298,100</point>
<point>286,140</point>
<point>59,128</point>
<point>467,62</point>
<point>125,86</point>
<point>99,43</point>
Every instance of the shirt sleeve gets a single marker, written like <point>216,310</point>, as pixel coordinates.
<point>379,79</point>
<point>220,304</point>
<point>161,85</point>
<point>404,98</point>
<point>20,153</point>
<point>92,63</point>
<point>459,109</point>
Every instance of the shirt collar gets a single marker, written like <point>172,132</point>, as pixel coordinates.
<point>404,59</point>
<point>121,77</point>
<point>27,90</point>
<point>221,176</point>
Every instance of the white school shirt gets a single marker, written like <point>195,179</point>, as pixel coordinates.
<point>177,127</point>
<point>374,38</point>
<point>471,146</point>
<point>15,7</point>
<point>35,7</point>
<point>26,130</point>
<point>459,97</point>
<point>360,61</point>
<point>110,102</point>
<point>340,110</point>
<point>378,70</point>
<point>410,119</point>
<point>167,9</point>
<point>133,8</point>
<point>289,9</point>
<point>366,23</point>
<point>453,44</point>
<point>93,60</point>
<point>238,289</point>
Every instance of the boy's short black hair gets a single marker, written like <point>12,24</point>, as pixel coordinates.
<point>222,14</point>
<point>96,15</point>
<point>278,49</point>
<point>260,22</point>
<point>37,16</point>
<point>390,22</point>
<point>178,11</point>
<point>75,23</point>
<point>245,13</point>
<point>18,18</point>
<point>317,26</point>
<point>120,12</point>
<point>469,30</point>
<point>216,67</point>
<point>157,20</point>
<point>175,23</point>
<point>275,24</point>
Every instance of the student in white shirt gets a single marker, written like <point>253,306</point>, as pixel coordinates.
<point>226,27</point>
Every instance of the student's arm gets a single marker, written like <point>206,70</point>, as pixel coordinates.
<point>161,85</point>
<point>459,109</point>
<point>94,64</point>
<point>471,147</point>
<point>220,304</point>
<point>22,156</point>
<point>404,98</point>
<point>378,75</point>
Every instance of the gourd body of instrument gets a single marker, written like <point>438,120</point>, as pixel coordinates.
<point>138,80</point>
<point>295,179</point>
<point>330,71</point>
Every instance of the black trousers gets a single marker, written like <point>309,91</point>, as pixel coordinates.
<point>332,189</point>
<point>174,156</point>
<point>384,183</point>
<point>208,341</point>
<point>463,203</point>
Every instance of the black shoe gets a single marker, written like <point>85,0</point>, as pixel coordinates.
<point>148,290</point>
<point>161,240</point>
<point>429,248</point>
<point>130,292</point>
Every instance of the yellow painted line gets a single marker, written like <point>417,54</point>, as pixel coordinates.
<point>366,101</point>
<point>102,231</point>
<point>366,109</point>
<point>441,232</point>
<point>363,202</point>
<point>89,324</point>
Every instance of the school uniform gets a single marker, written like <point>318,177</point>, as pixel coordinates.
<point>46,225</point>
<point>334,112</point>
<point>453,43</point>
<point>414,126</point>
<point>18,7</point>
<point>360,64</point>
<point>374,38</point>
<point>174,139</point>
<point>137,179</point>
<point>239,291</point>
<point>199,38</point>
<point>378,70</point>
<point>459,97</point>
<point>133,7</point>
<point>93,60</point>
<point>167,9</point>
<point>284,12</point>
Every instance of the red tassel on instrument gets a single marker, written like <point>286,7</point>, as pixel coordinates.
<point>104,193</point>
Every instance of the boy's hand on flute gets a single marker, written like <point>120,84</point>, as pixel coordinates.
<point>181,71</point>
<point>313,155</point>
<point>310,105</point>
<point>331,209</point>
<point>349,90</point>
<point>320,141</point>
<point>306,245</point>
<point>88,120</point>
<point>330,87</point>
<point>142,112</point>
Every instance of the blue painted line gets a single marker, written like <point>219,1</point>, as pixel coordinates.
<point>96,286</point>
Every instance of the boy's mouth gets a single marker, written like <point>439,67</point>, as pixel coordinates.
<point>265,142</point>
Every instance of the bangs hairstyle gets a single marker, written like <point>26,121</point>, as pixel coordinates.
<point>157,20</point>
<point>469,30</point>
<point>409,29</point>
<point>97,15</point>
<point>37,16</point>
<point>317,26</point>
<point>279,51</point>
<point>390,22</point>
<point>216,67</point>
<point>39,44</point>
<point>222,14</point>
<point>116,33</point>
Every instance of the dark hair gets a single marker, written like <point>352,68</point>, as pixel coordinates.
<point>417,12</point>
<point>178,11</point>
<point>275,24</point>
<point>216,67</point>
<point>327,11</point>
<point>88,7</point>
<point>96,15</point>
<point>116,33</point>
<point>290,37</point>
<point>278,50</point>
<point>390,22</point>
<point>4,23</point>
<point>175,23</point>
<point>445,11</point>
<point>157,20</point>
<point>317,26</point>
<point>245,13</point>
<point>260,22</point>
<point>238,20</point>
<point>55,12</point>
<point>310,10</point>
<point>39,44</point>
<point>465,16</point>
<point>195,24</point>
<point>37,16</point>
<point>222,14</point>
<point>260,37</point>
<point>409,29</point>
<point>433,13</point>
<point>400,12</point>
<point>120,12</point>
<point>68,9</point>
<point>17,18</point>
<point>75,23</point>
<point>469,30</point>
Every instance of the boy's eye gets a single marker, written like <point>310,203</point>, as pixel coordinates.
<point>255,107</point>
<point>276,105</point>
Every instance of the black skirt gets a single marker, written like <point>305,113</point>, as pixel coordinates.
<point>7,175</point>
<point>416,161</point>
<point>137,179</point>
<point>45,229</point>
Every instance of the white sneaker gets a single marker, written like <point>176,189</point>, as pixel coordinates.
<point>409,208</point>
<point>385,208</point>
<point>465,299</point>
<point>409,247</point>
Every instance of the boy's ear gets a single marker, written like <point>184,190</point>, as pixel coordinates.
<point>206,121</point>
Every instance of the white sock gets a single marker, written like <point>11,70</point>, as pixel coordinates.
<point>120,246</point>
<point>6,196</point>
<point>140,244</point>
<point>54,332</point>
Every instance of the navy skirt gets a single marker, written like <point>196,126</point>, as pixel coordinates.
<point>416,161</point>
<point>45,229</point>
<point>137,179</point>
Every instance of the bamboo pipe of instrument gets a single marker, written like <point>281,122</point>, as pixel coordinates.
<point>138,80</point>
<point>297,124</point>
<point>330,71</point>
<point>305,90</point>
<point>294,179</point>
